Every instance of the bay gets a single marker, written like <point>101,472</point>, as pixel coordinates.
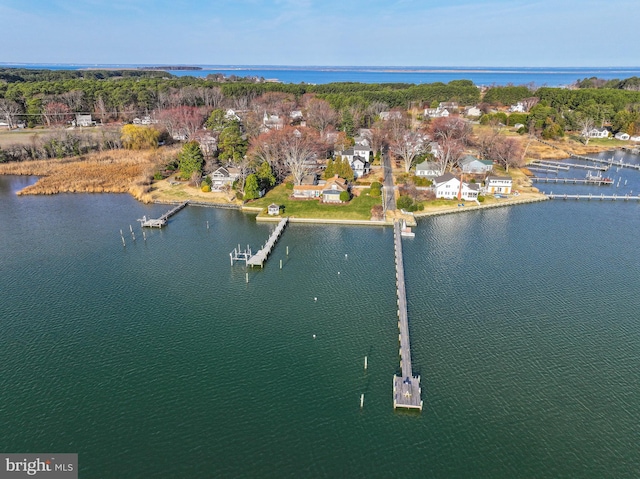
<point>158,360</point>
<point>481,76</point>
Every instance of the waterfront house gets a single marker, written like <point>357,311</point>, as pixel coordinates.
<point>307,192</point>
<point>635,138</point>
<point>498,184</point>
<point>358,158</point>
<point>223,177</point>
<point>471,164</point>
<point>598,133</point>
<point>4,125</point>
<point>428,169</point>
<point>332,189</point>
<point>449,187</point>
<point>621,135</point>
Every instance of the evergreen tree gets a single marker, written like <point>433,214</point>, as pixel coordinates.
<point>265,175</point>
<point>231,144</point>
<point>190,160</point>
<point>330,170</point>
<point>251,187</point>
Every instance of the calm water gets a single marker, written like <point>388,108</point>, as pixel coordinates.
<point>158,360</point>
<point>539,76</point>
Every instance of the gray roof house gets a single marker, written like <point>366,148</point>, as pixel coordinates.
<point>471,164</point>
<point>428,169</point>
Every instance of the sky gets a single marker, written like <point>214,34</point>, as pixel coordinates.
<point>501,33</point>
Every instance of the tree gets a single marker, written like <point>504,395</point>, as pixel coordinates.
<point>136,137</point>
<point>232,144</point>
<point>265,175</point>
<point>217,120</point>
<point>505,151</point>
<point>320,114</point>
<point>345,196</point>
<point>408,145</point>
<point>251,187</point>
<point>181,120</point>
<point>9,110</point>
<point>586,125</point>
<point>265,148</point>
<point>298,150</point>
<point>451,134</point>
<point>56,113</point>
<point>190,160</point>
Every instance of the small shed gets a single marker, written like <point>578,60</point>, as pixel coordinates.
<point>273,209</point>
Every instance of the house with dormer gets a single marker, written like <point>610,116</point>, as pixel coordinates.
<point>471,164</point>
<point>223,177</point>
<point>428,169</point>
<point>450,187</point>
<point>498,184</point>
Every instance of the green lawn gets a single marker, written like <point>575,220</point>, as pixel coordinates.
<point>358,208</point>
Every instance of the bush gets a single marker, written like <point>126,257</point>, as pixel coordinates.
<point>345,196</point>
<point>481,199</point>
<point>289,185</point>
<point>206,188</point>
<point>239,195</point>
<point>404,202</point>
<point>376,184</point>
<point>375,192</point>
<point>158,176</point>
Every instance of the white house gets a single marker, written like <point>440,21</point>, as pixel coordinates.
<point>83,120</point>
<point>223,177</point>
<point>449,187</point>
<point>473,111</point>
<point>145,120</point>
<point>436,112</point>
<point>598,133</point>
<point>622,136</point>
<point>498,184</point>
<point>390,115</point>
<point>471,164</point>
<point>635,138</point>
<point>362,151</point>
<point>452,106</point>
<point>517,126</point>
<point>360,167</point>
<point>4,125</point>
<point>517,108</point>
<point>231,115</point>
<point>428,169</point>
<point>270,122</point>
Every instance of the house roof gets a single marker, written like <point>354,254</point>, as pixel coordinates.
<point>444,178</point>
<point>499,178</point>
<point>465,160</point>
<point>427,165</point>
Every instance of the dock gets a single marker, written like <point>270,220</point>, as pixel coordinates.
<point>261,256</point>
<point>406,388</point>
<point>549,165</point>
<point>160,222</point>
<point>553,196</point>
<point>565,165</point>
<point>611,162</point>
<point>593,180</point>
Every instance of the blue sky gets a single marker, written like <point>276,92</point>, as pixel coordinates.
<point>328,32</point>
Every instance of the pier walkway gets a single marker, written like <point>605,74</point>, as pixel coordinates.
<point>611,162</point>
<point>593,180</point>
<point>160,222</point>
<point>553,196</point>
<point>260,257</point>
<point>406,388</point>
<point>563,165</point>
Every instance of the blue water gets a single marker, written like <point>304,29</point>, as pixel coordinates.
<point>326,74</point>
<point>158,360</point>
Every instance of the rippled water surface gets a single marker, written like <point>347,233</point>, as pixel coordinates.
<point>158,360</point>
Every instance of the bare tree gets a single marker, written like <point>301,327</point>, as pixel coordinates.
<point>56,113</point>
<point>182,120</point>
<point>586,124</point>
<point>74,99</point>
<point>9,110</point>
<point>320,114</point>
<point>505,151</point>
<point>407,145</point>
<point>451,134</point>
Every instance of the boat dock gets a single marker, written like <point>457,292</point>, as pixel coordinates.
<point>260,257</point>
<point>589,180</point>
<point>610,162</point>
<point>406,388</point>
<point>160,222</point>
<point>549,165</point>
<point>553,196</point>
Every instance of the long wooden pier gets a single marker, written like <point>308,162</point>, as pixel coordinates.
<point>611,162</point>
<point>549,165</point>
<point>572,165</point>
<point>160,222</point>
<point>406,388</point>
<point>553,196</point>
<point>594,180</point>
<point>260,257</point>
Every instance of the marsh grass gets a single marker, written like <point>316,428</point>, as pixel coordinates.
<point>116,171</point>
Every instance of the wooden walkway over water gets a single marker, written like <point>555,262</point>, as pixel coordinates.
<point>553,196</point>
<point>406,388</point>
<point>594,180</point>
<point>160,222</point>
<point>611,162</point>
<point>260,257</point>
<point>560,165</point>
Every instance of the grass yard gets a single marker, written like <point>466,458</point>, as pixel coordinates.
<point>359,208</point>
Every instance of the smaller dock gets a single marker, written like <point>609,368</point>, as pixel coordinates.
<point>611,162</point>
<point>565,165</point>
<point>260,257</point>
<point>553,196</point>
<point>160,222</point>
<point>594,180</point>
<point>549,165</point>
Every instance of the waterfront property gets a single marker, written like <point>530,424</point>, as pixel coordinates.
<point>498,184</point>
<point>223,177</point>
<point>428,169</point>
<point>471,164</point>
<point>160,222</point>
<point>448,187</point>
